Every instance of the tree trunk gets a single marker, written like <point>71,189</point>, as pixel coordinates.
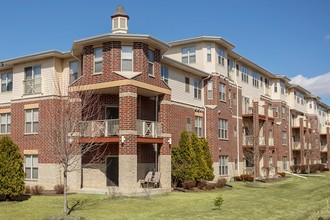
<point>65,193</point>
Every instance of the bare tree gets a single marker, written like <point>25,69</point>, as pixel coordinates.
<point>70,116</point>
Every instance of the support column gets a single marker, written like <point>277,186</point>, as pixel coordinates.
<point>127,135</point>
<point>256,138</point>
<point>328,147</point>
<point>165,151</point>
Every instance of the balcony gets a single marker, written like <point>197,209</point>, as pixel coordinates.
<point>270,113</point>
<point>271,141</point>
<point>99,128</point>
<point>323,130</point>
<point>267,91</point>
<point>296,146</point>
<point>148,128</point>
<point>246,110</point>
<point>324,147</point>
<point>32,86</point>
<point>262,141</point>
<point>261,110</point>
<point>248,140</point>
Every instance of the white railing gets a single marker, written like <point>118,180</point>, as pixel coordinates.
<point>248,140</point>
<point>246,110</point>
<point>323,130</point>
<point>99,128</point>
<point>271,141</point>
<point>32,86</point>
<point>270,113</point>
<point>296,145</point>
<point>261,141</point>
<point>261,110</point>
<point>148,128</point>
<point>324,148</point>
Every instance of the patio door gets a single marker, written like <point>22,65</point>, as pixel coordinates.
<point>112,170</point>
<point>112,112</point>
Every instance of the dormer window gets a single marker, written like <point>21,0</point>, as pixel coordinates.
<point>127,58</point>
<point>221,57</point>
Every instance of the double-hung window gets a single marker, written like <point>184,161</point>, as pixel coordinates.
<point>6,82</point>
<point>221,57</point>
<point>276,111</point>
<point>187,84</point>
<point>285,163</point>
<point>223,165</point>
<point>283,90</point>
<point>5,123</point>
<point>31,121</point>
<point>32,81</point>
<point>283,111</point>
<point>98,60</point>
<point>222,129</point>
<point>210,89</point>
<point>209,54</point>
<point>245,74</point>
<point>188,54</point>
<point>197,89</point>
<point>284,137</point>
<point>164,74</point>
<point>31,167</point>
<point>74,71</point>
<point>222,92</point>
<point>151,60</point>
<point>198,126</point>
<point>255,79</point>
<point>127,58</point>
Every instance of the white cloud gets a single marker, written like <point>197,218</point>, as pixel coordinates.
<point>318,85</point>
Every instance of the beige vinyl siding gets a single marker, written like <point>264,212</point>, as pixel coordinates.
<point>176,82</point>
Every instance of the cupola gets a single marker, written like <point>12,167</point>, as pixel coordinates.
<point>120,21</point>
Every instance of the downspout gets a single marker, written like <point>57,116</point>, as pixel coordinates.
<point>290,139</point>
<point>75,56</point>
<point>203,81</point>
<point>237,120</point>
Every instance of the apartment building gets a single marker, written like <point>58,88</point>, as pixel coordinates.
<point>149,91</point>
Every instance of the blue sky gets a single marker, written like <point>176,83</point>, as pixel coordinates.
<point>288,37</point>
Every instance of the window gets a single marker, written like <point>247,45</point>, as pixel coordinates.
<point>188,124</point>
<point>151,60</point>
<point>237,70</point>
<point>236,165</point>
<point>126,58</point>
<point>222,92</point>
<point>261,81</point>
<point>284,137</point>
<point>283,90</point>
<point>223,165</point>
<point>276,111</point>
<point>266,83</point>
<point>197,89</point>
<point>255,79</point>
<point>74,71</point>
<point>164,74</point>
<point>98,60</point>
<point>32,82</point>
<point>283,111</point>
<point>270,162</point>
<point>187,82</point>
<point>245,74</point>
<point>31,167</point>
<point>221,57</point>
<point>210,89</point>
<point>229,98</point>
<point>310,105</point>
<point>188,55</point>
<point>285,163</point>
<point>209,53</point>
<point>235,131</point>
<point>234,99</point>
<point>275,87</point>
<point>5,123</point>
<point>31,121</point>
<point>6,82</point>
<point>198,126</point>
<point>222,129</point>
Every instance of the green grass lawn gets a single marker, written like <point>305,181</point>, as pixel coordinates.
<point>293,198</point>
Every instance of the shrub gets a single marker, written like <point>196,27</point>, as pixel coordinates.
<point>202,184</point>
<point>221,182</point>
<point>37,189</point>
<point>281,174</point>
<point>247,177</point>
<point>27,189</point>
<point>218,201</point>
<point>237,178</point>
<point>11,169</point>
<point>295,168</point>
<point>303,169</point>
<point>190,184</point>
<point>210,186</point>
<point>59,189</point>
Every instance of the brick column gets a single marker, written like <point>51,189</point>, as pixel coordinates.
<point>302,142</point>
<point>165,151</point>
<point>256,136</point>
<point>128,148</point>
<point>328,148</point>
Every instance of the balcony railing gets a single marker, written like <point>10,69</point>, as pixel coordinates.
<point>246,110</point>
<point>261,141</point>
<point>270,113</point>
<point>148,128</point>
<point>248,140</point>
<point>324,147</point>
<point>99,128</point>
<point>296,145</point>
<point>261,110</point>
<point>271,141</point>
<point>32,86</point>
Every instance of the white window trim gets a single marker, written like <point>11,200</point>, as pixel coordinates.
<point>225,166</point>
<point>132,67</point>
<point>163,70</point>
<point>222,129</point>
<point>31,121</point>
<point>7,116</point>
<point>198,126</point>
<point>221,56</point>
<point>197,89</point>
<point>210,89</point>
<point>191,52</point>
<point>222,92</point>
<point>99,59</point>
<point>71,73</point>
<point>32,166</point>
<point>7,82</point>
<point>152,63</point>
